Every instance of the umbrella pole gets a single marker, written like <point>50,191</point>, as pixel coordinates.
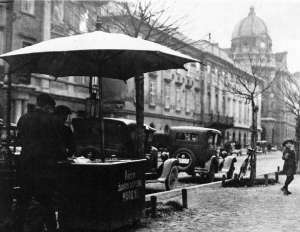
<point>139,90</point>
<point>100,89</point>
<point>8,112</point>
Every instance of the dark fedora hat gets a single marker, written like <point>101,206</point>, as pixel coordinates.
<point>288,141</point>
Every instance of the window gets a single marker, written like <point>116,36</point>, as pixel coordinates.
<point>197,102</point>
<point>167,96</point>
<point>228,108</point>
<point>234,107</point>
<point>208,68</point>
<point>152,92</point>
<point>245,113</point>
<point>2,15</point>
<point>178,99</point>
<point>209,99</point>
<point>27,6</point>
<point>224,105</point>
<point>217,101</point>
<point>188,101</point>
<point>191,137</point>
<point>240,112</point>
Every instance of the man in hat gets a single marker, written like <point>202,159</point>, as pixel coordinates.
<point>289,167</point>
<point>39,134</point>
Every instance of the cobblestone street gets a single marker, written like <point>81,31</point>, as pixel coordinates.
<point>257,209</point>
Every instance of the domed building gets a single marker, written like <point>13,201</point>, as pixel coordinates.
<point>251,35</point>
<point>251,47</point>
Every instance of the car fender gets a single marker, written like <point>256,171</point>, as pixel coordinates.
<point>228,161</point>
<point>167,165</point>
<point>212,161</point>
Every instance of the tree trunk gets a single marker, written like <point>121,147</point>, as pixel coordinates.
<point>297,145</point>
<point>139,88</point>
<point>253,142</point>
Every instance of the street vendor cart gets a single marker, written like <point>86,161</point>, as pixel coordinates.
<point>105,192</point>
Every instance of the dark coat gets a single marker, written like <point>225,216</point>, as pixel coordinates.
<point>289,166</point>
<point>40,136</point>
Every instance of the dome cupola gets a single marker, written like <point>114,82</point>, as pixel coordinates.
<point>251,34</point>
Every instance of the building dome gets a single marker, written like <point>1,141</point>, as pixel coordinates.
<point>251,26</point>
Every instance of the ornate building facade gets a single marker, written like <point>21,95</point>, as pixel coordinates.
<point>32,22</point>
<point>251,47</point>
<point>194,96</point>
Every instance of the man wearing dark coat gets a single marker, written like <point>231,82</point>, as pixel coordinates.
<point>40,136</point>
<point>289,167</point>
<point>62,113</point>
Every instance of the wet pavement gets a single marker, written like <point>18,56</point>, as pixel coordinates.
<point>253,209</point>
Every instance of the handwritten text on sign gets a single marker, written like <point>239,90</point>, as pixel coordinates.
<point>130,186</point>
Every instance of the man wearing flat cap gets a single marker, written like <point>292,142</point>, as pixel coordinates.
<point>39,134</point>
<point>289,166</point>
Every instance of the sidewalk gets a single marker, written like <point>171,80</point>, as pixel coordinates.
<point>255,209</point>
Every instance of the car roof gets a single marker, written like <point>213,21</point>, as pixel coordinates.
<point>128,122</point>
<point>194,129</point>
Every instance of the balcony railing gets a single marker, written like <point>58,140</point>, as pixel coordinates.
<point>218,121</point>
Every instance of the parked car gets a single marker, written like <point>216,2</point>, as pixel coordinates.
<point>197,150</point>
<point>120,143</point>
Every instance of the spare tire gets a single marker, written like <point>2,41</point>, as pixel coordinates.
<point>186,159</point>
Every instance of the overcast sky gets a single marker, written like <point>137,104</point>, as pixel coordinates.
<point>219,17</point>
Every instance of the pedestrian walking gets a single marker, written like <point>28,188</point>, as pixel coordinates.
<point>289,167</point>
<point>40,135</point>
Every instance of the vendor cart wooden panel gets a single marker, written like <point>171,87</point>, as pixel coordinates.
<point>101,196</point>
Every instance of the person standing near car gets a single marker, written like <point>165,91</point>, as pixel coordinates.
<point>40,136</point>
<point>289,167</point>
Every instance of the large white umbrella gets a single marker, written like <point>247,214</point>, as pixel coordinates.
<point>95,54</point>
<point>99,54</point>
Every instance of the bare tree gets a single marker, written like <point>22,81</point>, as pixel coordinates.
<point>140,19</point>
<point>251,82</point>
<point>290,98</point>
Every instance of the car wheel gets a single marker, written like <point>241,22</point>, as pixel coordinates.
<point>186,159</point>
<point>172,178</point>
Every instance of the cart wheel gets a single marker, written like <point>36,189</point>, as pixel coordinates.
<point>172,178</point>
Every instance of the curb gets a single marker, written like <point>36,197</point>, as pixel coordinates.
<point>176,194</point>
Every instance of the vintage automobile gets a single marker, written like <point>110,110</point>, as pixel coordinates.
<point>197,150</point>
<point>120,143</point>
<point>14,147</point>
